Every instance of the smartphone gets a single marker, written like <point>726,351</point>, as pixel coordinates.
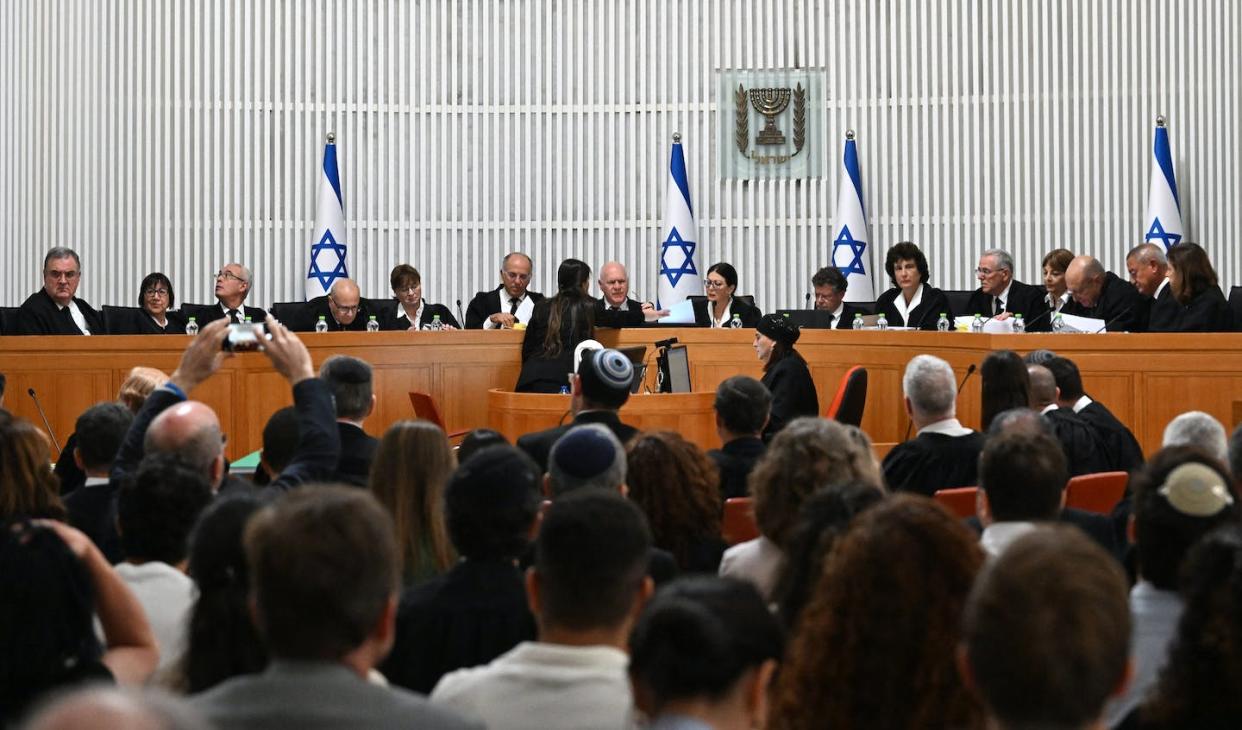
<point>245,337</point>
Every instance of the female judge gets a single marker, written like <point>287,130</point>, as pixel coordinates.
<point>784,373</point>
<point>911,302</point>
<point>720,306</point>
<point>156,298</point>
<point>1193,281</point>
<point>411,312</point>
<point>1055,263</point>
<point>556,327</point>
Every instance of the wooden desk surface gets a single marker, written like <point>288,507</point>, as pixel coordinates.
<point>1144,379</point>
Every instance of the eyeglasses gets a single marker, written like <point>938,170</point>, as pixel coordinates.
<point>987,272</point>
<point>343,310</point>
<point>710,284</point>
<point>516,276</point>
<point>222,274</point>
<point>408,289</point>
<point>155,292</point>
<point>58,275</point>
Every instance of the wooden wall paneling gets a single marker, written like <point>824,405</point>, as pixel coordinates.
<point>264,392</point>
<point>1171,394</point>
<point>392,386</point>
<point>64,394</point>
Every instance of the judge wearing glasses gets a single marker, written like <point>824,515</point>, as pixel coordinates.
<point>509,303</point>
<point>55,309</point>
<point>412,312</point>
<point>1000,296</point>
<point>156,299</point>
<point>718,308</point>
<point>342,309</point>
<point>232,287</point>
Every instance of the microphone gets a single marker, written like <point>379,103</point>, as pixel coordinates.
<point>807,301</point>
<point>31,392</point>
<point>1047,313</point>
<point>969,372</point>
<point>1114,318</point>
<point>460,317</point>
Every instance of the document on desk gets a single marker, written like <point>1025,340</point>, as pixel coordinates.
<point>1074,323</point>
<point>680,313</point>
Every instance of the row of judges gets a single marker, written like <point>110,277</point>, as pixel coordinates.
<point>1177,291</point>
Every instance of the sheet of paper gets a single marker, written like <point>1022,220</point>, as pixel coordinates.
<point>680,313</point>
<point>1074,323</point>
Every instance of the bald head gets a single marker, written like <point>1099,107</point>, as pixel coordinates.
<point>1147,266</point>
<point>107,708</point>
<point>1043,386</point>
<point>190,430</point>
<point>343,301</point>
<point>1084,279</point>
<point>614,283</point>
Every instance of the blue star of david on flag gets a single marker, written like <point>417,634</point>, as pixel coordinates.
<point>1157,233</point>
<point>857,248</point>
<point>327,249</point>
<point>674,275</point>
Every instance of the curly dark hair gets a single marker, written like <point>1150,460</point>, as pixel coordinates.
<point>906,251</point>
<point>882,626</point>
<point>678,487</point>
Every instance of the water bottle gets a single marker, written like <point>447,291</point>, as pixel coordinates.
<point>1018,325</point>
<point>1058,324</point>
<point>882,322</point>
<point>976,325</point>
<point>858,321</point>
<point>736,322</point>
<point>372,324</point>
<point>942,324</point>
<point>436,324</point>
<point>322,324</point>
<point>247,320</point>
<point>564,390</point>
<point>191,327</point>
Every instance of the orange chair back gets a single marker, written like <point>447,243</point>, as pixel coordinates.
<point>425,408</point>
<point>1096,492</point>
<point>847,407</point>
<point>739,521</point>
<point>960,500</point>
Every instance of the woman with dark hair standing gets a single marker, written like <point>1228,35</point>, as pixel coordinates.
<point>156,299</point>
<point>1006,385</point>
<point>1055,263</point>
<point>911,302</point>
<point>720,306</point>
<point>784,373</point>
<point>1193,281</point>
<point>556,327</point>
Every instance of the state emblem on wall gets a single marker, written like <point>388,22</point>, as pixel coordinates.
<point>770,124</point>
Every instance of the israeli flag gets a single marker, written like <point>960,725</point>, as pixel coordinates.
<point>328,250</point>
<point>1163,223</point>
<point>679,277</point>
<point>850,250</point>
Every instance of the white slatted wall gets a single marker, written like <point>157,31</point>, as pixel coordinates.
<point>178,135</point>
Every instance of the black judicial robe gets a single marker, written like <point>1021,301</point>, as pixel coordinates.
<point>1086,450</point>
<point>389,320</point>
<point>486,303</point>
<point>748,313</point>
<point>204,313</point>
<point>1120,305</point>
<point>633,316</point>
<point>1207,312</point>
<point>148,326</point>
<point>734,461</point>
<point>1024,299</point>
<point>793,393</point>
<point>1124,449</point>
<point>39,315</point>
<point>924,316</point>
<point>318,307</point>
<point>1164,310</point>
<point>934,461</point>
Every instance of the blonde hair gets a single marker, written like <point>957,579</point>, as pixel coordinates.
<point>138,385</point>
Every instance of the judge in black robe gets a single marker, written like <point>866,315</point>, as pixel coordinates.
<point>40,314</point>
<point>628,314</point>
<point>1203,307</point>
<point>320,307</point>
<point>1086,451</point>
<point>908,271</point>
<point>1207,311</point>
<point>785,374</point>
<point>1163,310</point>
<point>749,314</point>
<point>1103,295</point>
<point>486,303</point>
<point>1017,298</point>
<point>934,461</point>
<point>394,317</point>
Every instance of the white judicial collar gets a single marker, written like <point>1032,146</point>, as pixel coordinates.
<point>724,319</point>
<point>418,313</point>
<point>904,309</point>
<point>1081,403</point>
<point>1163,284</point>
<point>78,318</point>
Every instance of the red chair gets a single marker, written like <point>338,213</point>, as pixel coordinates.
<point>739,521</point>
<point>1096,492</point>
<point>960,500</point>
<point>851,398</point>
<point>425,409</point>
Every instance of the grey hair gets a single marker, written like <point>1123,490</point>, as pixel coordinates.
<point>1020,420</point>
<point>197,452</point>
<point>246,274</point>
<point>1145,253</point>
<point>611,478</point>
<point>1196,428</point>
<point>930,385</point>
<point>61,252</point>
<point>1003,259</point>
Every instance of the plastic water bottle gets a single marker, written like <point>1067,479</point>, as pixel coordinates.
<point>858,321</point>
<point>372,324</point>
<point>736,322</point>
<point>1058,324</point>
<point>976,325</point>
<point>942,324</point>
<point>564,390</point>
<point>191,327</point>
<point>436,324</point>
<point>1018,325</point>
<point>322,324</point>
<point>882,322</point>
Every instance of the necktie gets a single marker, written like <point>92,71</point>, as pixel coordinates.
<point>1000,307</point>
<point>831,318</point>
<point>233,316</point>
<point>616,308</point>
<point>513,304</point>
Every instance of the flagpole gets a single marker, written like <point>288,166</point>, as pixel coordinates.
<point>331,137</point>
<point>1159,120</point>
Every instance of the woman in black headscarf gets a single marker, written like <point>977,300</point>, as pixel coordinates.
<point>784,373</point>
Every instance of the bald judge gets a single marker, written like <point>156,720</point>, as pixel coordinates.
<point>1103,295</point>
<point>614,308</point>
<point>342,308</point>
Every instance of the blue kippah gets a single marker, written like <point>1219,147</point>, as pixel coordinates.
<point>584,452</point>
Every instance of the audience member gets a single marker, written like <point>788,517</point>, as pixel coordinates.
<point>485,310</point>
<point>1005,385</point>
<point>600,388</point>
<point>1001,296</point>
<point>593,543</point>
<point>1086,448</point>
<point>477,440</point>
<point>155,511</point>
<point>1196,428</point>
<point>875,644</point>
<point>56,581</point>
<point>1201,304</point>
<point>232,287</point>
<point>675,485</point>
<point>324,573</point>
<point>1235,456</point>
<point>556,326</point>
<point>412,465</point>
<point>412,312</point>
<point>3,381</point>
<point>280,443</point>
<point>742,405</point>
<point>1045,635</point>
<point>92,508</point>
<point>1038,357</point>
<point>1148,268</point>
<point>824,517</point>
<point>55,309</point>
<point>785,373</point>
<point>1102,295</point>
<point>808,455</point>
<point>477,610</point>
<point>704,652</point>
<point>944,453</point>
<point>830,286</point>
<point>28,487</point>
<point>349,380</point>
<point>587,456</point>
<point>1180,496</point>
<point>1124,449</point>
<point>105,708</point>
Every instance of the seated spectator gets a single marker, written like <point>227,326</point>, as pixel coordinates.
<point>823,519</point>
<point>107,708</point>
<point>221,642</point>
<point>1124,449</point>
<point>944,454</point>
<point>477,440</point>
<point>882,625</point>
<point>675,485</point>
<point>1178,498</point>
<point>349,379</point>
<point>1085,446</point>
<point>280,442</point>
<point>742,405</point>
<point>1005,384</point>
<point>1046,630</point>
<point>809,454</point>
<point>477,610</point>
<point>593,543</point>
<point>1039,357</point>
<point>704,652</point>
<point>46,637</point>
<point>411,467</point>
<point>155,512</point>
<point>92,508</point>
<point>28,487</point>
<point>1196,428</point>
<point>324,576</point>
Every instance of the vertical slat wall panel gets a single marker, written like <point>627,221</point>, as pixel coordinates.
<point>179,136</point>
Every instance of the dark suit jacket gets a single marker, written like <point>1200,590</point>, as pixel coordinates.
<point>923,317</point>
<point>357,452</point>
<point>1120,305</point>
<point>93,511</point>
<point>39,315</point>
<point>734,461</point>
<point>1097,527</point>
<point>539,444</point>
<point>1125,452</point>
<point>1208,312</point>
<point>389,320</point>
<point>487,303</point>
<point>631,317</point>
<point>749,314</point>
<point>1164,312</point>
<point>793,393</point>
<point>848,312</point>
<point>1024,299</point>
<point>147,326</point>
<point>204,313</point>
<point>318,307</point>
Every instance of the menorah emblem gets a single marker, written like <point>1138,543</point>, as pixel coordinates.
<point>770,103</point>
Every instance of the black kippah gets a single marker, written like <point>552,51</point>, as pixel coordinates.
<point>778,328</point>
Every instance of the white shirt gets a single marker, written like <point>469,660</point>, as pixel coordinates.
<point>418,313</point>
<point>724,318</point>
<point>1163,284</point>
<point>166,595</point>
<point>1003,299</point>
<point>537,685</point>
<point>1048,408</point>
<point>948,427</point>
<point>1000,535</point>
<point>757,561</point>
<point>904,309</point>
<point>95,481</point>
<point>1155,615</point>
<point>1081,403</point>
<point>524,310</point>
<point>836,316</point>
<point>79,319</point>
<point>1056,304</point>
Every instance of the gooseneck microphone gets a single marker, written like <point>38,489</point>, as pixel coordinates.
<point>1047,313</point>
<point>1114,318</point>
<point>460,317</point>
<point>31,392</point>
<point>969,372</point>
<point>808,301</point>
